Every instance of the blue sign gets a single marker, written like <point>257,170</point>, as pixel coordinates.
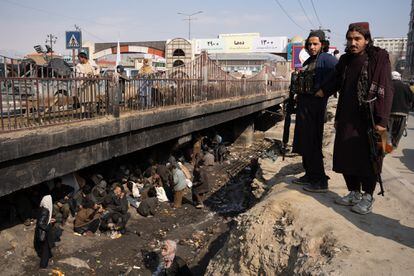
<point>73,39</point>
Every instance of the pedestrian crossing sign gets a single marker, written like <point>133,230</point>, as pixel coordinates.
<point>73,39</point>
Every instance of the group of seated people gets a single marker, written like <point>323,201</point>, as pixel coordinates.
<point>101,204</point>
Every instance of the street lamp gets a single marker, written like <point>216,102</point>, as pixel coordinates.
<point>50,40</point>
<point>189,21</point>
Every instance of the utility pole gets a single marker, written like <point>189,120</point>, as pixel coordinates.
<point>189,21</point>
<point>77,28</point>
<point>326,31</point>
<point>50,40</point>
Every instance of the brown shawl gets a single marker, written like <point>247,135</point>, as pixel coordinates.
<point>375,81</point>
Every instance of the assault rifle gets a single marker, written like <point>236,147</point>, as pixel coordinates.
<point>375,141</point>
<point>290,108</point>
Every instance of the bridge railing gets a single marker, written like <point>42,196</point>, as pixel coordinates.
<point>34,102</point>
<point>31,102</point>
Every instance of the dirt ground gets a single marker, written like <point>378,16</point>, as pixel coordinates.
<point>294,232</point>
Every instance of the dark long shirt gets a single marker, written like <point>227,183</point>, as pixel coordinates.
<point>58,194</point>
<point>148,206</point>
<point>116,204</point>
<point>403,98</point>
<point>325,66</point>
<point>351,150</point>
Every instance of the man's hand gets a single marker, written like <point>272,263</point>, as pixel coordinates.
<point>319,93</point>
<point>379,128</point>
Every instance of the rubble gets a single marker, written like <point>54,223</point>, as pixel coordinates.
<point>75,262</point>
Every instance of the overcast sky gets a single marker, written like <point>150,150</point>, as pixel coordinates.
<point>26,23</point>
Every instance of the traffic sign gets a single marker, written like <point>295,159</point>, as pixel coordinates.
<point>73,39</point>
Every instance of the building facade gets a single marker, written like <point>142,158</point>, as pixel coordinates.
<point>394,46</point>
<point>409,60</point>
<point>397,50</point>
<point>178,51</point>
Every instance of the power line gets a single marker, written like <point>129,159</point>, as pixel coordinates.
<point>78,19</point>
<point>307,17</point>
<point>91,34</point>
<point>337,35</point>
<point>320,23</point>
<point>59,15</point>
<point>317,17</point>
<point>291,19</point>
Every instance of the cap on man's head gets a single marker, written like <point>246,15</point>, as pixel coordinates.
<point>317,33</point>
<point>395,75</point>
<point>359,25</point>
<point>83,55</point>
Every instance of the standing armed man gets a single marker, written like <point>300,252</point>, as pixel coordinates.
<point>310,113</point>
<point>362,75</point>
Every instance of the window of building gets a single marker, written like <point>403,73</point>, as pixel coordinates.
<point>178,53</point>
<point>178,62</point>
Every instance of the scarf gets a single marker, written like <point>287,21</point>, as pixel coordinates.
<point>48,204</point>
<point>374,78</point>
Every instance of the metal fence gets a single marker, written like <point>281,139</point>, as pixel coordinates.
<point>29,102</point>
<point>46,67</point>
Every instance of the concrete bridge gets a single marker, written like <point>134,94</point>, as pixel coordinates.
<point>80,122</point>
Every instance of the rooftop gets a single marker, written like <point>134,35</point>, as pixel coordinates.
<point>246,56</point>
<point>159,45</point>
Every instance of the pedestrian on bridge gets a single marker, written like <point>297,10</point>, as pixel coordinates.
<point>85,67</point>
<point>363,75</point>
<point>310,113</point>
<point>86,94</point>
<point>145,88</point>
